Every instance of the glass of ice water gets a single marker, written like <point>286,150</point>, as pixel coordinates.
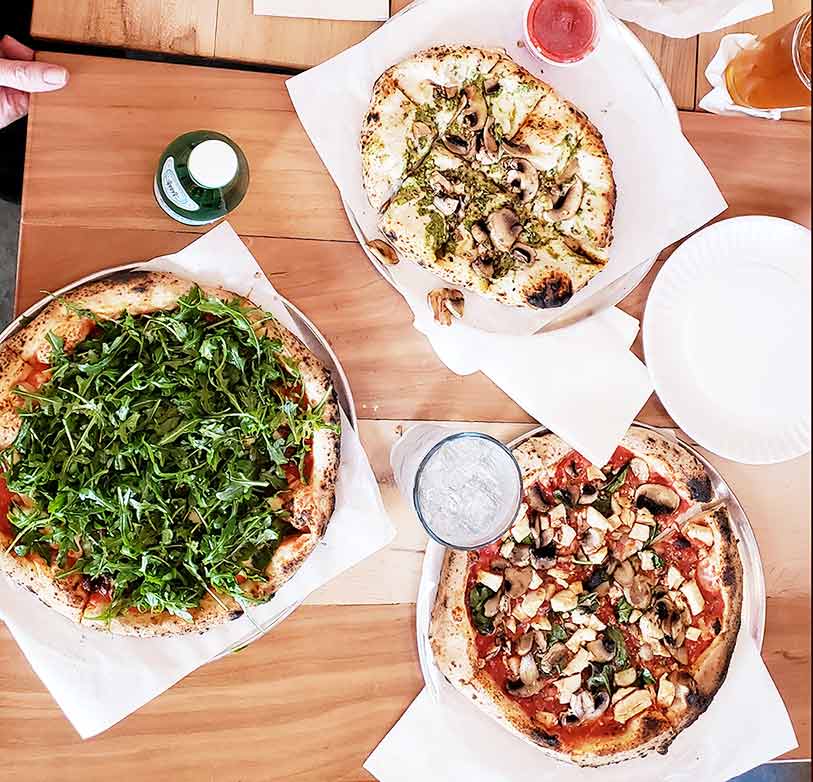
<point>466,487</point>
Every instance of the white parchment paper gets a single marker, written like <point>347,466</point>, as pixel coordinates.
<point>685,18</point>
<point>99,679</point>
<point>746,725</point>
<point>664,190</point>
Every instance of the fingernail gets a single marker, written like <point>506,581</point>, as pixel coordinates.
<point>55,76</point>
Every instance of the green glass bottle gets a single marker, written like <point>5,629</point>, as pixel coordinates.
<point>201,177</point>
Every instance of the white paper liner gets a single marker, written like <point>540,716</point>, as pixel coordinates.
<point>654,166</point>
<point>686,18</point>
<point>99,679</point>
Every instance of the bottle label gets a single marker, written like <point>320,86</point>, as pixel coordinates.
<point>173,189</point>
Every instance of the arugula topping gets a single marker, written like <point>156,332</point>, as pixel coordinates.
<point>623,609</point>
<point>159,456</point>
<point>478,596</point>
<point>557,633</point>
<point>647,677</point>
<point>621,656</point>
<point>601,678</point>
<point>617,480</point>
<point>657,561</point>
<point>588,601</point>
<point>603,503</point>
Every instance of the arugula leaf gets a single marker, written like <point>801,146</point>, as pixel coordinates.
<point>478,595</point>
<point>657,560</point>
<point>557,633</point>
<point>653,534</point>
<point>159,455</point>
<point>588,601</point>
<point>623,609</point>
<point>621,656</point>
<point>601,678</point>
<point>647,677</point>
<point>617,481</point>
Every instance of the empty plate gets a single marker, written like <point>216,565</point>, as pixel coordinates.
<point>727,338</point>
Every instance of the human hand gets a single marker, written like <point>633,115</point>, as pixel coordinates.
<point>20,76</point>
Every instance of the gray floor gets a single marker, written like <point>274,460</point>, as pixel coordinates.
<point>9,226</point>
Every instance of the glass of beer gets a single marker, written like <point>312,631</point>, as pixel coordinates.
<point>775,72</point>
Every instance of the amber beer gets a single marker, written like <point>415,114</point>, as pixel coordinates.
<point>775,73</point>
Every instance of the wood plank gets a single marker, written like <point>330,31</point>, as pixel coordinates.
<point>367,322</point>
<point>310,701</point>
<point>677,59</point>
<point>129,111</point>
<point>282,41</point>
<point>171,26</point>
<point>784,11</point>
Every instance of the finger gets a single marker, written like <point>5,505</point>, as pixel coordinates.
<point>13,105</point>
<point>32,76</point>
<point>14,50</point>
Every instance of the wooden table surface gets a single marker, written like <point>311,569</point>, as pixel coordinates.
<point>228,29</point>
<point>313,698</point>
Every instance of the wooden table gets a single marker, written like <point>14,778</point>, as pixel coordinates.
<point>311,700</point>
<point>228,29</point>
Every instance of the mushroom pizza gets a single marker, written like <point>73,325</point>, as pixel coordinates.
<point>603,623</point>
<point>168,455</point>
<point>486,176</point>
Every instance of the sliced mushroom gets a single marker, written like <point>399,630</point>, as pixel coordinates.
<point>602,650</point>
<point>639,593</point>
<point>475,112</point>
<point>568,172</point>
<point>422,134</point>
<point>503,227</point>
<point>383,251</point>
<point>524,645</point>
<point>534,498</point>
<point>528,672</point>
<point>458,145</point>
<point>541,641</point>
<point>521,555</point>
<point>440,184</point>
<point>480,233</point>
<point>500,563</point>
<point>520,690</point>
<point>445,205</point>
<point>624,573</point>
<point>513,665</point>
<point>585,706</point>
<point>524,253</point>
<point>484,267</point>
<point>491,86</point>
<point>516,150</point>
<point>680,654</point>
<point>592,540</point>
<point>589,494</point>
<point>446,303</point>
<point>493,652</point>
<point>490,144</point>
<point>492,606</point>
<point>568,205</point>
<point>522,178</point>
<point>657,498</point>
<point>555,656</point>
<point>517,580</point>
<point>451,91</point>
<point>544,557</point>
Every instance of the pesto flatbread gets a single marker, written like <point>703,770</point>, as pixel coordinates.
<point>603,623</point>
<point>532,223</point>
<point>168,455</point>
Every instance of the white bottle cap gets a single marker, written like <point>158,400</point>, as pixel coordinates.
<point>213,163</point>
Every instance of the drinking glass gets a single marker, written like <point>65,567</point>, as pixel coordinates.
<point>465,487</point>
<point>774,73</point>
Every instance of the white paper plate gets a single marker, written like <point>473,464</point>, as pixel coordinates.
<point>727,339</point>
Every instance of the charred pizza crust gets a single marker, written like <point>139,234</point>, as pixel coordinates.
<point>141,293</point>
<point>687,691</point>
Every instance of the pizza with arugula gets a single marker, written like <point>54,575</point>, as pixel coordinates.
<point>168,455</point>
<point>603,622</point>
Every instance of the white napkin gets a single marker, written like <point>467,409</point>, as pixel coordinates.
<point>453,741</point>
<point>351,10</point>
<point>445,738</point>
<point>99,679</point>
<point>718,101</point>
<point>686,18</point>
